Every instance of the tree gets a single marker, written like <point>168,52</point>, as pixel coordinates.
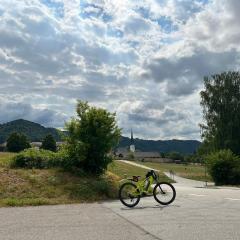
<point>17,142</point>
<point>49,143</point>
<point>221,110</point>
<point>91,138</point>
<point>175,156</point>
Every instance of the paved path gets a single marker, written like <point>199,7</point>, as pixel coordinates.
<point>67,222</point>
<point>196,214</point>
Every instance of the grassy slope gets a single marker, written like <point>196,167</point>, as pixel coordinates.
<point>187,171</point>
<point>19,187</point>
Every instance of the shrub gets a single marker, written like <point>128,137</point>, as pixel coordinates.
<point>224,167</point>
<point>33,158</point>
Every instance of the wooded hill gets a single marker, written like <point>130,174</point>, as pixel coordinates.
<point>182,146</point>
<point>34,131</point>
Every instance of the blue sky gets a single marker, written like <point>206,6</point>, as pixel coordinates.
<point>144,60</point>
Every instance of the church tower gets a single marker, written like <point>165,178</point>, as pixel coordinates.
<point>132,146</point>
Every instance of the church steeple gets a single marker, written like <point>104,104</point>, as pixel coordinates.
<point>132,142</point>
<point>132,146</point>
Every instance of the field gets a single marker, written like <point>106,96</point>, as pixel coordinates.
<point>195,172</point>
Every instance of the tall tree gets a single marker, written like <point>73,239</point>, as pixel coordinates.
<point>221,110</point>
<point>91,138</point>
<point>17,142</point>
<point>49,143</point>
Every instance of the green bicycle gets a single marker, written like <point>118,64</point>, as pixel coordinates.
<point>130,193</point>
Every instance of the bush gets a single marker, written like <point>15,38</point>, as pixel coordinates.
<point>224,167</point>
<point>33,158</point>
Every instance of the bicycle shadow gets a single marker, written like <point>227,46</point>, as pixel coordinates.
<point>149,207</point>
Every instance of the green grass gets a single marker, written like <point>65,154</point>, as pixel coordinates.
<point>194,172</point>
<point>20,187</point>
<point>5,159</point>
<point>124,170</point>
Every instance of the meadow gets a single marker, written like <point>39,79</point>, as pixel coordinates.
<point>190,171</point>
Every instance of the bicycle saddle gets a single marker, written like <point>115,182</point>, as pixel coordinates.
<point>136,178</point>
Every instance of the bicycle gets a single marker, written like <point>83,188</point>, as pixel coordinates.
<point>130,193</point>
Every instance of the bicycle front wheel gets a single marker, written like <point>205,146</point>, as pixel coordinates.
<point>129,194</point>
<point>164,193</point>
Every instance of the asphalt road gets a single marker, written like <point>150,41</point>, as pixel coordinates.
<point>196,214</point>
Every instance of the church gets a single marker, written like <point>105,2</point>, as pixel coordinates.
<point>132,153</point>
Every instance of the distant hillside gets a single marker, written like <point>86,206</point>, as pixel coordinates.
<point>182,146</point>
<point>34,131</point>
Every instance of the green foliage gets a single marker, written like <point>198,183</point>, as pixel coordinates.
<point>163,155</point>
<point>34,131</point>
<point>17,142</point>
<point>221,110</point>
<point>224,167</point>
<point>33,158</point>
<point>49,143</point>
<point>91,137</point>
<point>192,158</point>
<point>175,156</point>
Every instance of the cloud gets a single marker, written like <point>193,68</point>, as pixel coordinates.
<point>183,75</point>
<point>11,111</point>
<point>143,59</point>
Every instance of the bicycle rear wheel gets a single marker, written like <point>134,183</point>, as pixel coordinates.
<point>129,195</point>
<point>164,193</point>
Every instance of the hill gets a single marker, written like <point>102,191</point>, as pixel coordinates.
<point>182,146</point>
<point>34,131</point>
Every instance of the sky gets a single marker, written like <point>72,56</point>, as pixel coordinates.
<point>143,59</point>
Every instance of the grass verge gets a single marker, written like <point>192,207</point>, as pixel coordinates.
<point>194,172</point>
<point>21,187</point>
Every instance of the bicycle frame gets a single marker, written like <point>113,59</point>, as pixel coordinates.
<point>141,185</point>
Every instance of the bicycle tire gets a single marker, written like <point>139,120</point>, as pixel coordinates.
<point>121,197</point>
<point>155,193</point>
